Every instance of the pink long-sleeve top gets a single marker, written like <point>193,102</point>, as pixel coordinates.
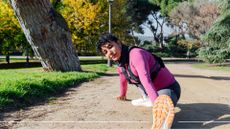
<point>141,62</point>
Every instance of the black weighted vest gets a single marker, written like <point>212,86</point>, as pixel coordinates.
<point>129,74</point>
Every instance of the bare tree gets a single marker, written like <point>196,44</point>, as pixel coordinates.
<point>48,34</point>
<point>195,18</point>
<point>156,24</point>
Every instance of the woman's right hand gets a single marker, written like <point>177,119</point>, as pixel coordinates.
<point>122,98</point>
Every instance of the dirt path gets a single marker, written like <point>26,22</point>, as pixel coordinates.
<point>204,103</point>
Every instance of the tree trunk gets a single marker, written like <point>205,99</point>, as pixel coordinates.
<point>48,34</point>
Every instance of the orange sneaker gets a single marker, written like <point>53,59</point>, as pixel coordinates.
<point>163,112</point>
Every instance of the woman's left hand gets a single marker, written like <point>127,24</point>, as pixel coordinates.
<point>123,98</point>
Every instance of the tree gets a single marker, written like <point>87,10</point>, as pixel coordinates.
<point>85,20</point>
<point>189,45</point>
<point>160,22</point>
<point>161,18</point>
<point>48,34</point>
<point>142,11</point>
<point>166,6</point>
<point>9,28</point>
<point>217,49</point>
<point>194,18</point>
<point>137,12</point>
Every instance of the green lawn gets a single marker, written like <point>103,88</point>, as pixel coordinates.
<point>20,87</point>
<point>211,67</point>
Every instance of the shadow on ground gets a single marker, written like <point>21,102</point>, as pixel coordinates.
<point>107,74</point>
<point>202,115</point>
<point>16,65</point>
<point>200,76</point>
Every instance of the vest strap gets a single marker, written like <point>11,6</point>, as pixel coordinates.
<point>154,70</point>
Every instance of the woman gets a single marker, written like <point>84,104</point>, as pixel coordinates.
<point>148,72</point>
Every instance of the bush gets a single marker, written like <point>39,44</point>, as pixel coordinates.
<point>156,50</point>
<point>214,54</point>
<point>172,48</point>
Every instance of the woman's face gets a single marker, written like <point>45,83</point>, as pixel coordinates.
<point>112,50</point>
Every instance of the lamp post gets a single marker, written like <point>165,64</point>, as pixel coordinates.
<point>109,63</point>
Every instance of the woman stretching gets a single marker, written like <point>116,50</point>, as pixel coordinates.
<point>148,72</point>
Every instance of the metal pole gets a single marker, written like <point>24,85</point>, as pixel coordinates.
<point>110,16</point>
<point>109,62</point>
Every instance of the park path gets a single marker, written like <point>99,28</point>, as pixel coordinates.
<point>204,103</point>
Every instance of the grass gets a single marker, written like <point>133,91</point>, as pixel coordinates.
<point>21,87</point>
<point>210,67</point>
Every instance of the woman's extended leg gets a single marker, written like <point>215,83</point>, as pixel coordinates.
<point>163,112</point>
<point>163,108</point>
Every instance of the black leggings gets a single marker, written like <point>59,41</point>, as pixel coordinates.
<point>173,91</point>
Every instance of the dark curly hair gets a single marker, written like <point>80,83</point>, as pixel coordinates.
<point>105,38</point>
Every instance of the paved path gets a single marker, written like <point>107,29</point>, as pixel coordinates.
<point>204,103</point>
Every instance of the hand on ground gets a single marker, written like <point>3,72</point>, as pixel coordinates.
<point>123,98</point>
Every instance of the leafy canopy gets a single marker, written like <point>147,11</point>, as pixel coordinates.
<point>218,37</point>
<point>84,19</point>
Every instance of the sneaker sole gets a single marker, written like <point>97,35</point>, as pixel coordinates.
<point>163,113</point>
